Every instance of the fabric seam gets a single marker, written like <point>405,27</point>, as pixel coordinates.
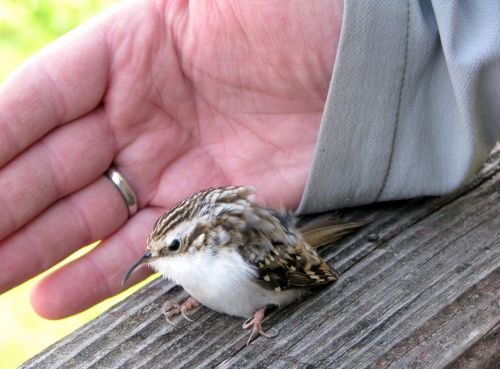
<point>398,110</point>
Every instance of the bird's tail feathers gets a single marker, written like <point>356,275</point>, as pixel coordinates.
<point>325,230</point>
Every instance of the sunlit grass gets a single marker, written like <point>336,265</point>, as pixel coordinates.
<point>26,26</point>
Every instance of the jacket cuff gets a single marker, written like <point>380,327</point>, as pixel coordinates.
<point>353,151</point>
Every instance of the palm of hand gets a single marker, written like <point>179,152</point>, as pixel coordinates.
<point>187,102</point>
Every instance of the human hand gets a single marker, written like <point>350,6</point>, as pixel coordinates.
<point>180,96</point>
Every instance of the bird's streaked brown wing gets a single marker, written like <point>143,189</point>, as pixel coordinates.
<point>284,266</point>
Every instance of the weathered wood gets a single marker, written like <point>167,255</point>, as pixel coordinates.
<point>484,354</point>
<point>420,287</point>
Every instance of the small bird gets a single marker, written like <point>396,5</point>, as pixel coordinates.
<point>237,257</point>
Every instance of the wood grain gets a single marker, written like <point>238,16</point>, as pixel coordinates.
<point>420,288</point>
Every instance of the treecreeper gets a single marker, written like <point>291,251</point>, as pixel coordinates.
<point>237,257</point>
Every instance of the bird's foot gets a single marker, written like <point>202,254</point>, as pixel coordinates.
<point>170,309</point>
<point>256,323</point>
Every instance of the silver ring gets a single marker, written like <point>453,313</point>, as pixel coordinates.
<point>126,191</point>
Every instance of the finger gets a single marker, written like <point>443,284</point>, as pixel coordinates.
<point>62,82</point>
<point>97,275</point>
<point>77,220</point>
<point>64,161</point>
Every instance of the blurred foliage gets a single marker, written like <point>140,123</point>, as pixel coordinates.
<point>26,26</point>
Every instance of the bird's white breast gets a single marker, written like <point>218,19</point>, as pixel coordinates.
<point>223,282</point>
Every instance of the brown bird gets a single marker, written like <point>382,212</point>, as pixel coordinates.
<point>237,257</point>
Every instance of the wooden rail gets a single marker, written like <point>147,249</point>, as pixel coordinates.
<point>420,287</point>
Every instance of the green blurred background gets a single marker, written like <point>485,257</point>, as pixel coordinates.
<point>26,26</point>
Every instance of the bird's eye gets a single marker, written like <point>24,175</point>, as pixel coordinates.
<point>174,245</point>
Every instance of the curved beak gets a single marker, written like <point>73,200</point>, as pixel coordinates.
<point>139,261</point>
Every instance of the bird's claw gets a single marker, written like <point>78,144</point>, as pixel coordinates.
<point>185,315</point>
<point>171,309</point>
<point>256,323</point>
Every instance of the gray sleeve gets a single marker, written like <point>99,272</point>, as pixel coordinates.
<point>413,107</point>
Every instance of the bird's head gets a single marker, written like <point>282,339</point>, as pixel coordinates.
<point>196,222</point>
